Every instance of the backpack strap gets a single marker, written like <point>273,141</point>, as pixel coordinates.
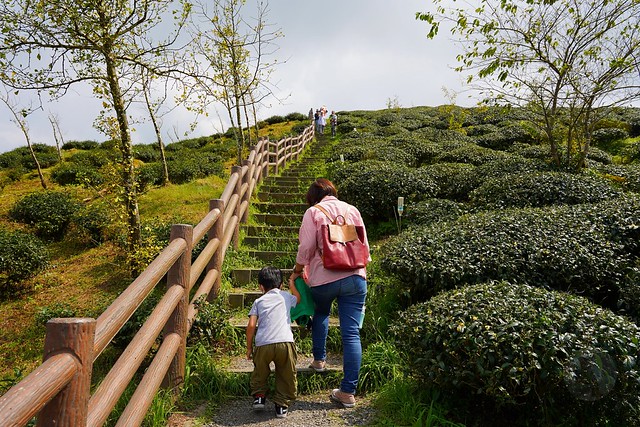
<point>334,220</point>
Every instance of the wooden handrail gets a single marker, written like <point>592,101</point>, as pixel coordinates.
<point>58,389</point>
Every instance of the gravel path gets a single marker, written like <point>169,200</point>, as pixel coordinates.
<point>308,411</point>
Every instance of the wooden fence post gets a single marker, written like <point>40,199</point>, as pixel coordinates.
<point>75,336</point>
<point>216,232</point>
<point>236,231</point>
<point>265,148</point>
<point>277,152</point>
<point>246,179</point>
<point>179,274</point>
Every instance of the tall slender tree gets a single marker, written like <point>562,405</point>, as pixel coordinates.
<point>54,44</point>
<point>234,50</point>
<point>20,119</point>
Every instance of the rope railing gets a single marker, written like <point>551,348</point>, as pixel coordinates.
<point>58,391</point>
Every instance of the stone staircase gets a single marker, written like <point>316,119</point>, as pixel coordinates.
<point>272,238</point>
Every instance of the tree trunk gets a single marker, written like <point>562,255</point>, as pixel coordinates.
<point>35,159</point>
<point>156,128</point>
<point>128,171</point>
<point>55,137</point>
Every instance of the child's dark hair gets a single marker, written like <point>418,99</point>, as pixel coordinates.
<point>270,277</point>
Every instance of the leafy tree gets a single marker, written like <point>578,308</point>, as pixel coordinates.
<point>19,118</point>
<point>234,51</point>
<point>54,44</point>
<point>567,61</point>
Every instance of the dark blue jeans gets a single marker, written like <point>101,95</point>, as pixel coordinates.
<point>350,293</point>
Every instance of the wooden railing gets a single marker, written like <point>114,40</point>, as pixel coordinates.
<point>58,391</point>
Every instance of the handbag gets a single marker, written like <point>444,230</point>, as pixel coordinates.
<point>343,246</point>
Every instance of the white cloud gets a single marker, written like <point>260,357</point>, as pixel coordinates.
<point>347,55</point>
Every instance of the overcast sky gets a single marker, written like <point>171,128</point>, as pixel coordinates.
<point>346,55</point>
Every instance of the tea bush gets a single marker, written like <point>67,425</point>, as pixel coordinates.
<point>22,256</point>
<point>607,135</point>
<point>597,155</point>
<point>48,212</point>
<point>505,137</point>
<point>374,186</point>
<point>471,153</point>
<point>80,145</point>
<point>146,152</point>
<point>625,175</point>
<point>455,180</point>
<point>541,189</point>
<point>522,355</point>
<point>586,249</point>
<point>21,157</point>
<point>295,117</point>
<point>72,173</point>
<point>192,165</point>
<point>430,211</point>
<point>148,175</point>
<point>531,151</point>
<point>93,222</point>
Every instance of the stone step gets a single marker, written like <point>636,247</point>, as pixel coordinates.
<point>277,243</point>
<point>274,188</point>
<point>240,364</point>
<point>274,257</point>
<point>281,208</point>
<point>279,219</point>
<point>264,196</point>
<point>270,180</point>
<point>240,321</point>
<point>245,276</point>
<point>263,230</point>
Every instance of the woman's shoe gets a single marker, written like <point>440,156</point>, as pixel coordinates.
<point>345,399</point>
<point>318,365</point>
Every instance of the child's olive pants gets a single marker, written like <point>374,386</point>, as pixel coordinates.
<point>283,355</point>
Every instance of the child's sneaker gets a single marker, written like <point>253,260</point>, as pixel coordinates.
<point>281,411</point>
<point>258,402</point>
<point>345,399</point>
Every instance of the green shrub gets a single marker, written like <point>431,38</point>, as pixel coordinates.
<point>597,155</point>
<point>374,186</point>
<point>274,120</point>
<point>93,222</point>
<point>525,356</point>
<point>80,145</point>
<point>149,174</point>
<point>72,173</point>
<point>626,175</point>
<point>585,249</point>
<point>531,151</point>
<point>295,117</point>
<point>471,153</point>
<point>146,152</point>
<point>21,157</point>
<point>430,211</point>
<point>298,128</point>
<point>505,137</point>
<point>541,189</point>
<point>60,309</point>
<point>194,165</point>
<point>21,256</point>
<point>48,212</point>
<point>95,158</point>
<point>607,135</point>
<point>455,180</point>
